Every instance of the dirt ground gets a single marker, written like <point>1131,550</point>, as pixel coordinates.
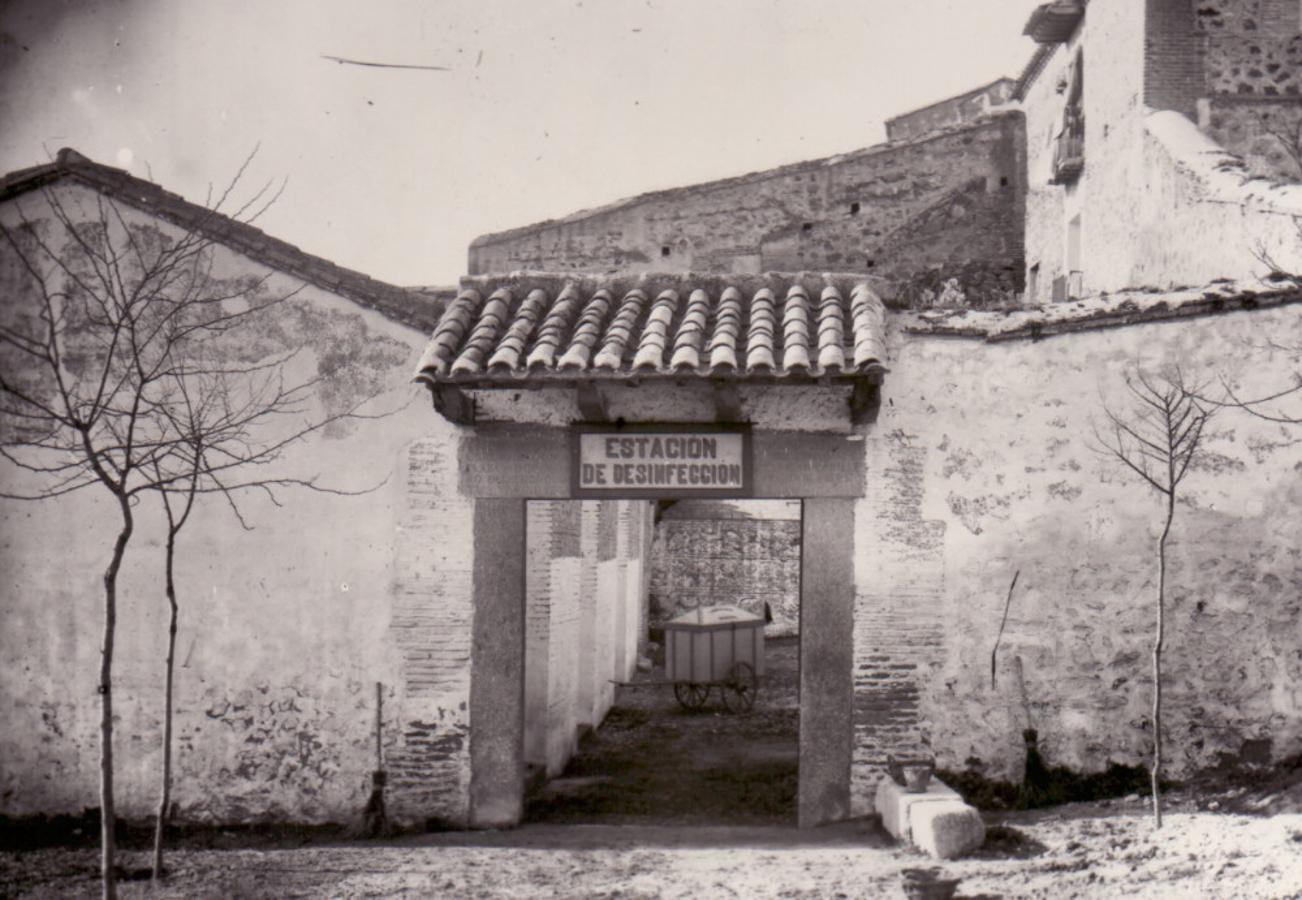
<point>639,813</point>
<point>654,763</point>
<point>1085,850</point>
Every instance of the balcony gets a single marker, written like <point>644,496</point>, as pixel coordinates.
<point>1069,149</point>
<point>1055,23</point>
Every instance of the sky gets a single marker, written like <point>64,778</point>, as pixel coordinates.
<point>541,107</point>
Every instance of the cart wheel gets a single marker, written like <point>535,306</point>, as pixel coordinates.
<point>740,689</point>
<point>691,695</point>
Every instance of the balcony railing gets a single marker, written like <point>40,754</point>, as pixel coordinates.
<point>1069,152</point>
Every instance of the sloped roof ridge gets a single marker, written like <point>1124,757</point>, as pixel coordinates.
<point>399,304</point>
<point>883,148</point>
<point>1131,306</point>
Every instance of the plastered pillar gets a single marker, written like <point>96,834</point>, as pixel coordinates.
<point>497,665</point>
<point>826,660</point>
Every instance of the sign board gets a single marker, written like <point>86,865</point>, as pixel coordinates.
<point>662,461</point>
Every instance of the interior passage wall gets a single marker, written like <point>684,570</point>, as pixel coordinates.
<point>983,464</point>
<point>703,558</point>
<point>584,605</point>
<point>949,204</point>
<point>284,630</point>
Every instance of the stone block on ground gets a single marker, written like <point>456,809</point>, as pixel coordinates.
<point>894,802</point>
<point>946,829</point>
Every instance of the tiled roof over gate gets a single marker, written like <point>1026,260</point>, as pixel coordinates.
<point>551,328</point>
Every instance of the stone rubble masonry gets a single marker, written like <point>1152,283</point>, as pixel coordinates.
<point>950,203</point>
<point>960,110</point>
<point>1256,129</point>
<point>727,562</point>
<point>1250,47</point>
<point>285,630</point>
<point>982,459</point>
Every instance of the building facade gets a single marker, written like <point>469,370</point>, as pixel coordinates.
<point>1161,144</point>
<point>932,410</point>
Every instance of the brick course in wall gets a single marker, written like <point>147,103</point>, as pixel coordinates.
<point>430,625</point>
<point>899,627</point>
<point>1173,71</point>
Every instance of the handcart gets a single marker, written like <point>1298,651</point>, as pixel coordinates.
<point>715,647</point>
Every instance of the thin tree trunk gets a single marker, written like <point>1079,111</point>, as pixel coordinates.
<point>165,795</point>
<point>1157,659</point>
<point>108,814</point>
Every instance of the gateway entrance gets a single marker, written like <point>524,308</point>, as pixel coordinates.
<point>695,623</point>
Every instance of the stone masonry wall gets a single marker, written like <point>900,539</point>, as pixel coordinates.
<point>855,212</point>
<point>284,630</point>
<point>742,562</point>
<point>950,112</point>
<point>1253,47</point>
<point>1266,132</point>
<point>983,464</point>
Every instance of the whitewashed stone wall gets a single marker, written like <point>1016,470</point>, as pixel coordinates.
<point>983,463</point>
<point>285,629</point>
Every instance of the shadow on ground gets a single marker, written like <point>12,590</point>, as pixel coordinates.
<point>653,763</point>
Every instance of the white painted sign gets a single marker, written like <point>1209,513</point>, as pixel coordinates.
<point>663,463</point>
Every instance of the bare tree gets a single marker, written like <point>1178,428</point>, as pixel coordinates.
<point>110,319</point>
<point>224,424</point>
<point>1157,438</point>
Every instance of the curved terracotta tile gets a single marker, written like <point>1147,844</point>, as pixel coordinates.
<point>723,344</point>
<point>868,315</point>
<point>482,337</point>
<point>511,348</point>
<point>554,329</point>
<point>763,326</point>
<point>691,332</point>
<point>449,332</point>
<point>620,331</point>
<point>831,329</point>
<point>588,330</point>
<point>655,333</point>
